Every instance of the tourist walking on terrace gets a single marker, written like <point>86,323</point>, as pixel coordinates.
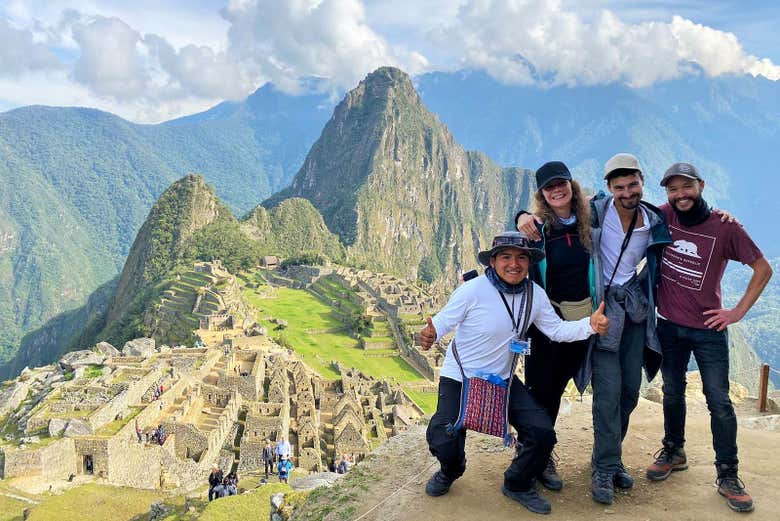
<point>283,448</point>
<point>215,481</point>
<point>268,458</point>
<point>284,467</point>
<point>561,220</point>
<point>691,319</point>
<point>487,314</point>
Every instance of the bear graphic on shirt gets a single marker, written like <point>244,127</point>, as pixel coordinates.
<point>686,248</point>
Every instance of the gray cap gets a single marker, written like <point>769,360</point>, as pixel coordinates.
<point>511,239</point>
<point>683,169</point>
<point>621,161</point>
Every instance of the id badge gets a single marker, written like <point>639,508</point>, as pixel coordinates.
<point>521,347</point>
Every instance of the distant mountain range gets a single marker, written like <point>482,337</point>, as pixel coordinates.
<point>76,184</point>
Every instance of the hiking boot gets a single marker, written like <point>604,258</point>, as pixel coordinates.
<point>622,479</point>
<point>438,485</point>
<point>733,489</point>
<point>668,459</point>
<point>549,477</point>
<point>530,499</point>
<point>602,488</point>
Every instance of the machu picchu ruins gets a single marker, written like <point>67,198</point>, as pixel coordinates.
<point>100,413</point>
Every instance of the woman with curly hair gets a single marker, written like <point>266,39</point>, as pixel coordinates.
<point>561,217</point>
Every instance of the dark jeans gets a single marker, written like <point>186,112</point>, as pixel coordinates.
<point>616,380</point>
<point>711,350</point>
<point>269,467</point>
<point>535,433</point>
<point>214,491</point>
<point>550,367</point>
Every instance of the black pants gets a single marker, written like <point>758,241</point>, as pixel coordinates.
<point>535,433</point>
<point>269,467</point>
<point>550,367</point>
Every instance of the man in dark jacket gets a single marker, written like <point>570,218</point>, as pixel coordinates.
<point>268,457</point>
<point>215,480</point>
<point>624,231</point>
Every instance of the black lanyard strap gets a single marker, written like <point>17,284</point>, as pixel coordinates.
<point>623,247</point>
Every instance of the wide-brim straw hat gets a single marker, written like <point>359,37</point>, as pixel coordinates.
<point>510,239</point>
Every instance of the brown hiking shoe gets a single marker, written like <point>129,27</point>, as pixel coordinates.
<point>667,460</point>
<point>733,489</point>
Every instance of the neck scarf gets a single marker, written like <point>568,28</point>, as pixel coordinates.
<point>698,214</point>
<point>503,287</point>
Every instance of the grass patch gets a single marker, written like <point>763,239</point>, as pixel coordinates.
<point>93,371</point>
<point>96,503</point>
<point>303,312</point>
<point>425,401</point>
<point>115,426</point>
<point>254,505</point>
<point>11,509</point>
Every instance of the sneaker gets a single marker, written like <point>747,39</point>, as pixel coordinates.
<point>733,489</point>
<point>530,499</point>
<point>602,488</point>
<point>549,477</point>
<point>622,479</point>
<point>438,485</point>
<point>667,460</point>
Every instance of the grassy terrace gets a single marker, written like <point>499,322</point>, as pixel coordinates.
<point>303,312</point>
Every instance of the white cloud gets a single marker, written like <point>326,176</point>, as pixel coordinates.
<point>288,41</point>
<point>110,62</point>
<point>149,60</point>
<point>538,41</point>
<point>20,53</point>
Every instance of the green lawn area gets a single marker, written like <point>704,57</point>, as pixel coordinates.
<point>11,509</point>
<point>96,503</point>
<point>254,505</point>
<point>426,401</point>
<point>303,311</point>
<point>115,426</point>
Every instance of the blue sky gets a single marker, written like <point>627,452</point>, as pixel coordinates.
<point>149,60</point>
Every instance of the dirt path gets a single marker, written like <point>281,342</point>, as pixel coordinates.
<point>688,495</point>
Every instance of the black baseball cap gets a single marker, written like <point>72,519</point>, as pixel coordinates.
<point>683,169</point>
<point>551,171</point>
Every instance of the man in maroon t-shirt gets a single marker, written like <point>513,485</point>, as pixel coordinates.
<point>691,319</point>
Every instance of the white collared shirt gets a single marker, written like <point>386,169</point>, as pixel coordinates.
<point>484,328</point>
<point>612,236</point>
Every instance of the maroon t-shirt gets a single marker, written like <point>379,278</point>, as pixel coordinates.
<point>693,265</point>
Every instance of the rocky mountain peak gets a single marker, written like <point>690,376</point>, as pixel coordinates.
<point>186,206</point>
<point>389,178</point>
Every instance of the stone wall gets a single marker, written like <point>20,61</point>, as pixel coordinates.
<point>55,461</point>
<point>251,455</point>
<point>94,446</point>
<point>191,442</point>
<point>135,465</point>
<point>119,404</point>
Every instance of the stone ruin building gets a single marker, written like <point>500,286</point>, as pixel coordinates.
<point>218,405</point>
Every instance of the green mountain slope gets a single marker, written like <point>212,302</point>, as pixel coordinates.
<point>76,184</point>
<point>292,227</point>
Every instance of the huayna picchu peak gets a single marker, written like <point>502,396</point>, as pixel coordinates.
<point>402,194</point>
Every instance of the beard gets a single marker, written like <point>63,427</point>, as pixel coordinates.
<point>630,203</point>
<point>697,200</point>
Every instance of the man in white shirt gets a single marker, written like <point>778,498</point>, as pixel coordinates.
<point>282,448</point>
<point>486,314</point>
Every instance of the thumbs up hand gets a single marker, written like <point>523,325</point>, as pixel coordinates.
<point>428,334</point>
<point>598,321</point>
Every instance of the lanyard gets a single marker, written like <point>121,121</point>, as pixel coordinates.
<point>515,323</point>
<point>623,248</point>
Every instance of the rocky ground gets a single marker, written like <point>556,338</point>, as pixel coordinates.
<point>390,484</point>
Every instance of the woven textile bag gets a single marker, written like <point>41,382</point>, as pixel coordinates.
<point>484,399</point>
